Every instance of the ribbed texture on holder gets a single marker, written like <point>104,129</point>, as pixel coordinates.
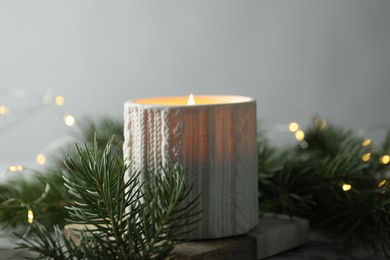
<point>217,147</point>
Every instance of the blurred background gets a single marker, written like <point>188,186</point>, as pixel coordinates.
<point>297,58</point>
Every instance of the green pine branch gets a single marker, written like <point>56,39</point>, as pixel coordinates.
<point>44,194</point>
<point>124,220</point>
<point>309,183</point>
<point>20,194</point>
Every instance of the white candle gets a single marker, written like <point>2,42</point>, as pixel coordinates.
<point>214,139</point>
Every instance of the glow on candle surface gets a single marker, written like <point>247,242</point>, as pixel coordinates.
<point>198,100</point>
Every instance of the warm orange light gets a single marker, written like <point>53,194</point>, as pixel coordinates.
<point>191,100</point>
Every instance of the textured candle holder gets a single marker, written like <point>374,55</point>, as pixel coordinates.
<point>215,142</point>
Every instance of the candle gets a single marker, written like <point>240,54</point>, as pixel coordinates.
<point>214,139</point>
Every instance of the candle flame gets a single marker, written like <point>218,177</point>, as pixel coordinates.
<point>191,100</point>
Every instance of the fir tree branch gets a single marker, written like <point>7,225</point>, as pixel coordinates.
<point>124,220</point>
<point>309,184</point>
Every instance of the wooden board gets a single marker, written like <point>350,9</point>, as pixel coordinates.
<point>274,234</point>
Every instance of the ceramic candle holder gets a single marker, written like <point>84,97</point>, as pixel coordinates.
<point>215,141</point>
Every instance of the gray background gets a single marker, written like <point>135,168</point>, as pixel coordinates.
<point>297,58</point>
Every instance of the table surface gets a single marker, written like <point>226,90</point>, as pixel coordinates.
<point>318,248</point>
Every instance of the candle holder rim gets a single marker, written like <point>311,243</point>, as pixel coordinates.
<point>229,101</point>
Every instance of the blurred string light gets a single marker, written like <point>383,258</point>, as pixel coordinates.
<point>41,159</point>
<point>30,213</point>
<point>16,168</point>
<point>346,187</point>
<point>17,116</point>
<point>293,127</point>
<point>384,159</point>
<point>46,100</point>
<point>69,120</point>
<point>299,135</point>
<point>4,110</point>
<point>366,157</point>
<point>382,183</point>
<point>30,216</point>
<point>366,142</point>
<point>59,100</point>
<point>321,124</point>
